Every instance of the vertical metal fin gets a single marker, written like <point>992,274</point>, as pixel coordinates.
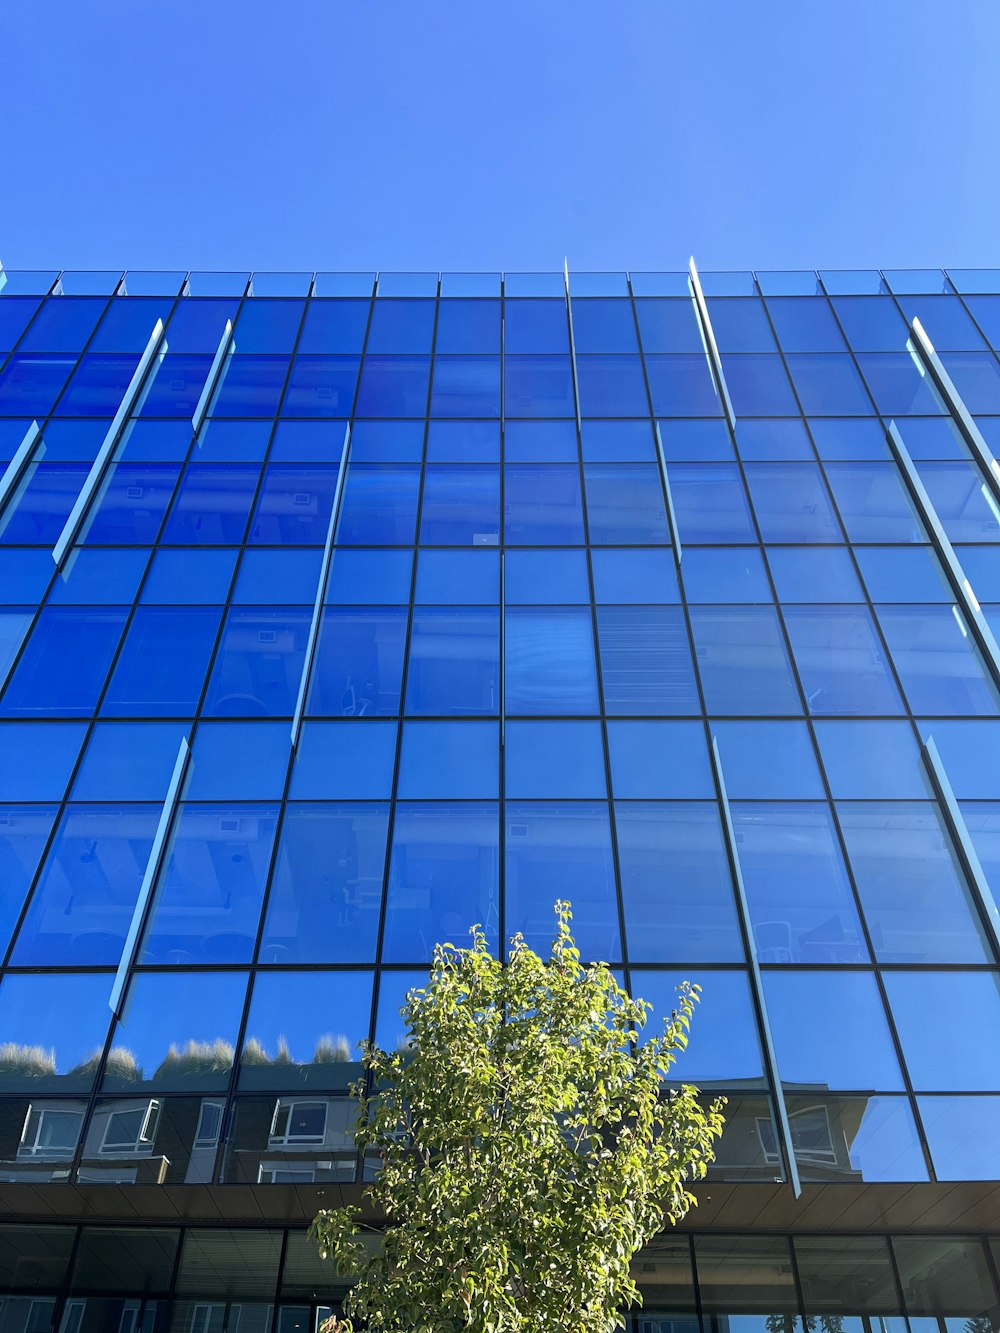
<point>153,864</point>
<point>208,388</point>
<point>15,468</point>
<point>770,1057</point>
<point>96,473</point>
<point>708,333</point>
<point>675,533</point>
<point>324,575</point>
<point>572,348</point>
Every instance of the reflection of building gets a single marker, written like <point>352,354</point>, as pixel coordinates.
<point>339,615</point>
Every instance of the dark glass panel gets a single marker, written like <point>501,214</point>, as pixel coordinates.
<point>358,667</point>
<point>466,386</point>
<point>211,505</point>
<point>62,669</point>
<point>611,386</point>
<point>379,505</point>
<point>538,386</point>
<point>321,386</point>
<point>294,505</point>
<point>334,327</point>
<point>393,386</point>
<point>258,665</point>
<point>163,663</point>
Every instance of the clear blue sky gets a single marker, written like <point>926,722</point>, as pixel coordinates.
<point>433,134</point>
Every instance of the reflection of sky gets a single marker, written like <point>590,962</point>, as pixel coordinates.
<point>301,1008</point>
<point>173,1009</point>
<point>64,1014</point>
<point>390,1029</point>
<point>724,1042</point>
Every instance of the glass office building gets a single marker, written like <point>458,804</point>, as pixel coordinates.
<point>340,612</point>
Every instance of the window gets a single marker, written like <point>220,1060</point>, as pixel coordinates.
<point>50,1132</point>
<point>132,1130</point>
<point>298,1123</point>
<point>209,1124</point>
<point>811,1137</point>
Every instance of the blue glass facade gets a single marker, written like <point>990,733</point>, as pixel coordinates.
<point>340,612</point>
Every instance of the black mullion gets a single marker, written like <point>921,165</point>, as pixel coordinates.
<point>612,827</point>
<point>393,795</point>
<point>502,647</point>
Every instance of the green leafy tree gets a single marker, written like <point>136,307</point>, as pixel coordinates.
<point>529,1147</point>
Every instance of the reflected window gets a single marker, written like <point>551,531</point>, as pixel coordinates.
<point>258,665</point>
<point>358,666</point>
<point>211,505</point>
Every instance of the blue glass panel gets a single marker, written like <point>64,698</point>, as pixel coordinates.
<point>669,325</point>
<point>461,505</point>
<point>321,386</point>
<point>709,503</point>
<point>740,325</point>
<point>695,441</point>
<point>758,386</point>
<point>65,324</point>
<point>634,576</point>
<point>454,661</point>
<point>198,576</point>
<point>903,574</point>
<point>873,503</point>
<point>358,667</point>
<point>659,759</point>
<point>373,576</point>
<point>872,323</point>
<point>294,505</point>
<point>792,503</point>
<point>771,761</point>
<point>805,325</point>
<point>15,312</point>
<point>968,752</point>
<point>53,1025</point>
<point>982,818</point>
<point>12,433</point>
<point>258,664</point>
<point>536,326</point>
<point>848,438</point>
<point>24,832</point>
<point>970,1058</point>
<point>645,661</point>
<point>778,438</point>
<point>212,505</point>
<point>932,437</point>
<point>469,326</point>
<point>676,886</point>
<point>457,577</point>
<point>163,662</point>
<point>379,505</point>
<point>986,312</point>
<point>963,1134</point>
<point>278,576</point>
<point>742,660</point>
<point>912,889</point>
<point>249,386</point>
<point>24,575</point>
<point>63,666</point>
<point>546,577</point>
<point>682,386</point>
<point>829,386</point>
<point>550,661</point>
<point>95,577</point>
<point>390,1031</point>
<point>882,1143</point>
<point>303,1032</point>
<point>611,386</point>
<point>177,1032</point>
<point>197,325</point>
<point>725,574</point>
<point>172,388</point>
<point>309,441</point>
<point>78,441</point>
<point>556,851</point>
<point>830,1029</point>
<point>334,327</point>
<point>128,323</point>
<point>538,386</point>
<point>540,442</point>
<point>617,442</point>
<point>962,500</point>
<point>393,386</point>
<point>625,504</point>
<point>554,760</point>
<point>898,386</point>
<point>981,564</point>
<point>238,761</point>
<point>130,504</point>
<point>462,441</point>
<point>801,906</point>
<point>872,760</point>
<point>128,761</point>
<point>466,386</point>
<point>208,897</point>
<point>82,905</point>
<point>841,660</point>
<point>326,889</point>
<point>725,1048</point>
<point>343,761</point>
<point>37,758</point>
<point>443,878</point>
<point>449,760</point>
<point>542,505</point>
<point>267,326</point>
<point>29,385</point>
<point>814,574</point>
<point>938,663</point>
<point>604,326</point>
<point>142,441</point>
<point>976,376</point>
<point>401,326</point>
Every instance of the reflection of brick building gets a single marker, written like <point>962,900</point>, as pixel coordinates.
<point>341,613</point>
